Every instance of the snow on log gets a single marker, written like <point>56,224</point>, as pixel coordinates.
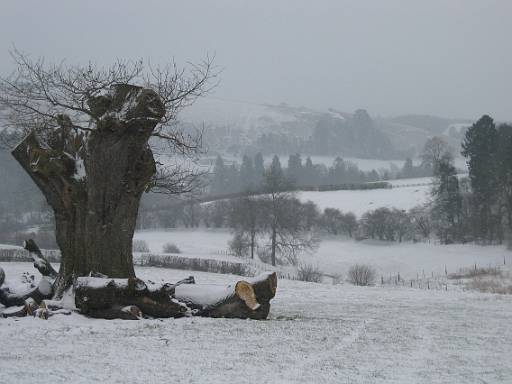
<point>41,263</point>
<point>246,299</point>
<point>28,307</point>
<point>38,294</point>
<point>109,298</point>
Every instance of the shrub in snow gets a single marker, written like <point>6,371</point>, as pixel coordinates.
<point>170,248</point>
<point>361,274</point>
<point>239,245</point>
<point>140,246</point>
<point>308,272</point>
<point>265,256</point>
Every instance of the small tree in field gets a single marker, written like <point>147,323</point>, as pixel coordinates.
<point>87,137</point>
<point>282,216</point>
<point>435,149</point>
<point>447,204</point>
<point>247,221</point>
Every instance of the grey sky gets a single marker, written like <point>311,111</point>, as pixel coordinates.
<point>444,57</point>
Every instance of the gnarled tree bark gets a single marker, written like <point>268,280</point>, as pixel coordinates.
<point>94,181</point>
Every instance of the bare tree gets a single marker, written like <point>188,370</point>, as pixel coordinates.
<point>283,220</point>
<point>435,149</point>
<point>422,220</point>
<point>83,134</point>
<point>246,219</point>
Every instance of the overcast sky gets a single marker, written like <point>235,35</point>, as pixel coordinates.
<point>444,57</point>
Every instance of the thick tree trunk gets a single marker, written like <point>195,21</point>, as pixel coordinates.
<point>94,182</point>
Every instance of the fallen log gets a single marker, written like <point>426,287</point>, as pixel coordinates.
<point>102,297</point>
<point>28,307</point>
<point>41,263</point>
<point>38,294</point>
<point>108,298</point>
<point>245,299</point>
<point>43,291</point>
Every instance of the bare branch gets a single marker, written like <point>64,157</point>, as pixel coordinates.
<point>35,96</point>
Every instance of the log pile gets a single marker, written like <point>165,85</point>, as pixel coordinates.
<point>131,299</point>
<point>26,303</point>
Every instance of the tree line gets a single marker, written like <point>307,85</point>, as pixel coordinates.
<point>249,176</point>
<point>478,208</point>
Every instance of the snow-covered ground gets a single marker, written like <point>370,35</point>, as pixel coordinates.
<point>359,202</point>
<point>201,243</point>
<point>316,333</point>
<point>336,255</point>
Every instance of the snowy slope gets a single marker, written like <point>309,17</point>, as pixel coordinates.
<point>359,202</point>
<point>316,334</point>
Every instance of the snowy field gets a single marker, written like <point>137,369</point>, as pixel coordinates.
<point>316,333</point>
<point>359,202</point>
<point>336,255</point>
<point>410,260</point>
<point>201,243</point>
<point>405,194</point>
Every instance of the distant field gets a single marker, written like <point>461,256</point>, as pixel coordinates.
<point>335,255</point>
<point>360,202</point>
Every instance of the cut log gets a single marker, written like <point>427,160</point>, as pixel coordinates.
<point>106,298</point>
<point>38,294</point>
<point>15,311</point>
<point>41,263</point>
<point>246,299</point>
<point>27,308</point>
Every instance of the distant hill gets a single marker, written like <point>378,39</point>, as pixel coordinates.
<point>410,132</point>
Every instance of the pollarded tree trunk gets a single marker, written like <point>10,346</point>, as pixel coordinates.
<point>94,181</point>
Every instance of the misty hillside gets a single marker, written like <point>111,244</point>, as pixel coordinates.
<point>241,127</point>
<point>411,131</point>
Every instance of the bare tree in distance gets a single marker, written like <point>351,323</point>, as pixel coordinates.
<point>283,220</point>
<point>87,136</point>
<point>435,149</point>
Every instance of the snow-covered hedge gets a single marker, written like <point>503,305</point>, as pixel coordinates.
<point>19,254</point>
<point>193,264</point>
